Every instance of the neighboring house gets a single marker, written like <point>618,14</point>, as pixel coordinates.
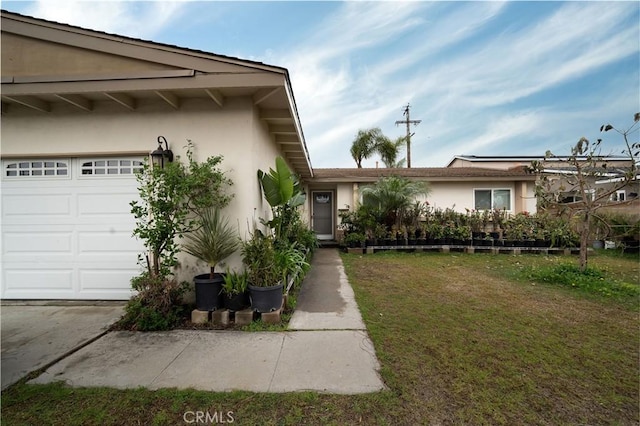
<point>81,110</point>
<point>472,188</point>
<point>557,168</point>
<point>468,182</point>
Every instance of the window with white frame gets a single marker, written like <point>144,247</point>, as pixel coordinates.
<point>111,167</point>
<point>488,199</point>
<point>620,195</point>
<point>36,168</point>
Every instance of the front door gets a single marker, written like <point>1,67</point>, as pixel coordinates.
<point>322,214</point>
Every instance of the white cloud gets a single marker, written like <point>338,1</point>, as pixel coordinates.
<point>457,91</point>
<point>134,19</point>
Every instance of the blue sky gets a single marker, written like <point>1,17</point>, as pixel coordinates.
<point>485,78</point>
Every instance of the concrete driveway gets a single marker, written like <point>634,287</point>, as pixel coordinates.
<point>34,336</point>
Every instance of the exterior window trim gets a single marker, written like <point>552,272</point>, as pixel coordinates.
<point>37,169</point>
<point>491,191</point>
<point>87,167</point>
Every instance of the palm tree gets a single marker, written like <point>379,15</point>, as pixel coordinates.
<point>389,151</point>
<point>365,144</point>
<point>393,195</point>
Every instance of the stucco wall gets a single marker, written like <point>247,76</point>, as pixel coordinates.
<point>344,196</point>
<point>234,131</point>
<point>459,195</point>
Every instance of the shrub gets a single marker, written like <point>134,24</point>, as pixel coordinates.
<point>156,306</point>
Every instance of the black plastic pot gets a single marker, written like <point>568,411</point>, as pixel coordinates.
<point>208,291</point>
<point>236,302</point>
<point>266,299</point>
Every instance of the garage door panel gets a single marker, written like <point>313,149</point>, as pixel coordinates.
<point>109,242</point>
<point>107,280</point>
<point>30,278</point>
<point>41,205</point>
<point>34,243</point>
<point>106,204</point>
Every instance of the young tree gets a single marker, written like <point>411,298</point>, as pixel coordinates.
<point>169,197</point>
<point>589,175</point>
<point>365,144</point>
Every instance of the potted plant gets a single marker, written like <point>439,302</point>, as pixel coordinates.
<point>264,272</point>
<point>235,290</point>
<point>354,240</point>
<point>212,242</point>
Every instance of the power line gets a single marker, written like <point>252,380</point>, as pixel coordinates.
<point>408,122</point>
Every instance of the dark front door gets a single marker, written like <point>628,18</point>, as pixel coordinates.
<point>322,214</point>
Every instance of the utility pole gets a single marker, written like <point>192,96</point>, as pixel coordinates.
<point>408,122</point>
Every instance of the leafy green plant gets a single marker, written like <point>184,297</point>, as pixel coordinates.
<point>235,282</point>
<point>283,192</point>
<point>259,256</point>
<point>168,198</point>
<point>289,259</point>
<point>213,241</point>
<point>304,236</point>
<point>354,239</point>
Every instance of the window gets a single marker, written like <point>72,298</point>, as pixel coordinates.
<point>574,197</point>
<point>110,167</point>
<point>36,168</point>
<point>488,199</point>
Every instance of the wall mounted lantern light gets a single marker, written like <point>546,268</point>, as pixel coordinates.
<point>161,156</point>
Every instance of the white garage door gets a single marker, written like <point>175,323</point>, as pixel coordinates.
<point>66,228</point>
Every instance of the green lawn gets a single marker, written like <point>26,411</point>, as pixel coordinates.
<point>462,339</point>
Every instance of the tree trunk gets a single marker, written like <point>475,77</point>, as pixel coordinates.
<point>156,264</point>
<point>584,241</point>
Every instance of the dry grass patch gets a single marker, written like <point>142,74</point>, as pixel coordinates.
<point>461,342</point>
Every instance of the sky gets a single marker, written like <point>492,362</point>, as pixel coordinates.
<point>484,78</point>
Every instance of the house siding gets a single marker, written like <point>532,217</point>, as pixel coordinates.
<point>234,131</point>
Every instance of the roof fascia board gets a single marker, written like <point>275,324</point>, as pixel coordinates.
<point>369,179</point>
<point>296,121</point>
<point>98,77</point>
<point>199,81</point>
<point>122,46</point>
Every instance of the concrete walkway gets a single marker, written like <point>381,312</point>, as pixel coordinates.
<point>35,335</point>
<point>328,350</point>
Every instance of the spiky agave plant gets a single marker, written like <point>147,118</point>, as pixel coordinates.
<point>213,241</point>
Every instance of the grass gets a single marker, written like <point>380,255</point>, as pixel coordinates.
<point>462,339</point>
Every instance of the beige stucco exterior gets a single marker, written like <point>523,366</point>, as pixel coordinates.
<point>459,196</point>
<point>70,93</point>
